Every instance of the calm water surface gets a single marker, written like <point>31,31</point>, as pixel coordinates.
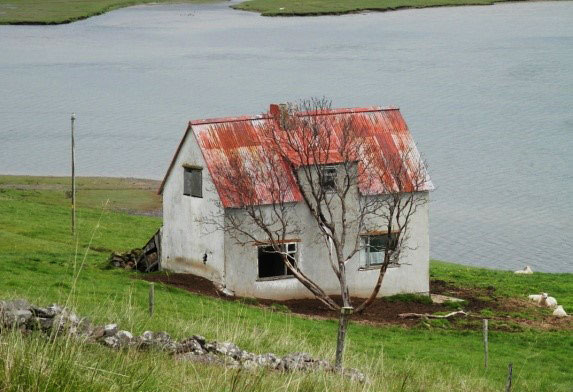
<point>487,93</point>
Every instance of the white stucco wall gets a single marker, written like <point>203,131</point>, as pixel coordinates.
<point>186,237</point>
<point>412,276</point>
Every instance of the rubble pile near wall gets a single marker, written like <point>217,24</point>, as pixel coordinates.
<point>57,320</point>
<point>126,260</point>
<point>146,259</point>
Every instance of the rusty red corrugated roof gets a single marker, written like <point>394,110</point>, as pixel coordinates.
<point>228,142</point>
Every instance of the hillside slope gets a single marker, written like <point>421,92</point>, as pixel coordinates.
<point>40,261</point>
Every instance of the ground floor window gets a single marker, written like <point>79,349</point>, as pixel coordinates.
<point>373,248</point>
<point>271,263</point>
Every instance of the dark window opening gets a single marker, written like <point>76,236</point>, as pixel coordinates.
<point>192,182</point>
<point>328,178</point>
<point>271,263</point>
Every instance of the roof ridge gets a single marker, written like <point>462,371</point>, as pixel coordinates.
<point>218,120</point>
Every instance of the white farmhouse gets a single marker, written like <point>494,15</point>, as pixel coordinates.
<point>193,190</point>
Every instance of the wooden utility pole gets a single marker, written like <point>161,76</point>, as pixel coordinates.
<point>73,179</point>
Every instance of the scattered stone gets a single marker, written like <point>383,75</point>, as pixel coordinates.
<point>147,335</point>
<point>228,349</point>
<point>268,360</point>
<point>124,338</point>
<point>126,260</point>
<point>190,345</point>
<point>295,361</point>
<point>41,323</point>
<point>110,330</point>
<point>222,289</point>
<point>15,317</point>
<point>98,332</point>
<point>55,319</point>
<point>14,313</point>
<point>440,299</point>
<point>111,341</point>
<point>200,339</point>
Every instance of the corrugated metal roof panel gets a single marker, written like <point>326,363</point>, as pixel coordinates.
<point>238,143</point>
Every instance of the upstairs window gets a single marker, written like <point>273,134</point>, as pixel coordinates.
<point>271,263</point>
<point>328,178</point>
<point>373,248</point>
<point>192,181</point>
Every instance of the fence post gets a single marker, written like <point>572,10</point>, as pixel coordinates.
<point>73,118</point>
<point>485,342</point>
<point>151,298</point>
<point>509,376</point>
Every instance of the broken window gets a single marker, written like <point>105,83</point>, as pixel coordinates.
<point>373,247</point>
<point>271,262</point>
<point>328,178</point>
<point>192,182</point>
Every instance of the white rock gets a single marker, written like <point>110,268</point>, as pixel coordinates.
<point>526,271</point>
<point>559,312</point>
<point>124,337</point>
<point>110,330</point>
<point>224,290</point>
<point>111,341</point>
<point>147,335</point>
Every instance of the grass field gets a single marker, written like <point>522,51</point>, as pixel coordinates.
<point>65,11</point>
<point>327,7</point>
<point>40,261</point>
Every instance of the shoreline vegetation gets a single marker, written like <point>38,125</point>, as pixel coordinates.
<point>54,12</point>
<point>344,7</point>
<point>41,262</point>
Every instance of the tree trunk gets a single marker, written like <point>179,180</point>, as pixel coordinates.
<point>342,323</point>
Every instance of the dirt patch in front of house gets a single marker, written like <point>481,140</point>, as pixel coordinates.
<point>192,283</point>
<point>507,314</point>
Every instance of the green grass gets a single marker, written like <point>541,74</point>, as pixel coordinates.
<point>420,299</point>
<point>327,7</point>
<point>124,194</point>
<point>40,261</point>
<point>506,283</point>
<point>65,11</point>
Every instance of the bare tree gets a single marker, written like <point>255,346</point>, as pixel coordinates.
<point>330,165</point>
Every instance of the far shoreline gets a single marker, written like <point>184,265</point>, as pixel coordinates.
<point>125,194</point>
<point>49,17</point>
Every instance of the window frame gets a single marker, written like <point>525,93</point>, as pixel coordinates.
<point>364,254</point>
<point>328,177</point>
<point>284,248</point>
<point>189,190</point>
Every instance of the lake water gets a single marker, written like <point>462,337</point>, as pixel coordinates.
<point>487,93</point>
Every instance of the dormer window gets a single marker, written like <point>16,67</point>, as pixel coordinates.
<point>328,178</point>
<point>192,181</point>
